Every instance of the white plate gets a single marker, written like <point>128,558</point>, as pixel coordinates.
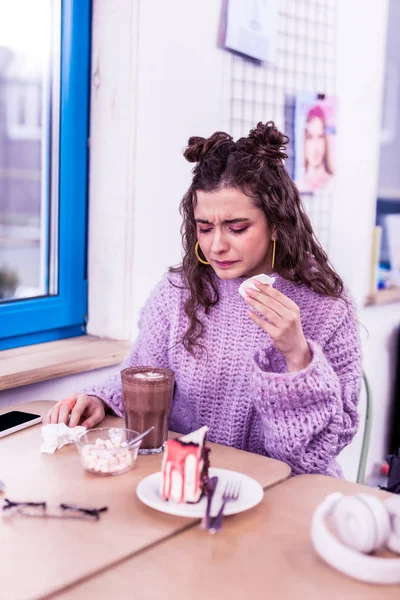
<point>251,493</point>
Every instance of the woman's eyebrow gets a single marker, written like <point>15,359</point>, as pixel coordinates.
<point>226,222</point>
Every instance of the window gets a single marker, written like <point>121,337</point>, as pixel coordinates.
<point>44,107</point>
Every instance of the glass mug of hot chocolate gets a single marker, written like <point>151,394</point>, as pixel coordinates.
<point>147,398</point>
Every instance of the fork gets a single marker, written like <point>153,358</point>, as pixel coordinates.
<point>210,489</point>
<point>231,493</point>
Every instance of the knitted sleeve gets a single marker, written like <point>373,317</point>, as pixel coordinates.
<point>309,416</point>
<point>150,347</point>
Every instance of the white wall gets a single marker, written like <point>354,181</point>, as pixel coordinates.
<point>181,91</point>
<point>389,171</point>
<point>360,73</point>
<point>112,165</point>
<point>157,79</point>
<point>360,69</point>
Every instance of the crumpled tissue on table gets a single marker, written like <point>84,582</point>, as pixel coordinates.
<point>57,435</point>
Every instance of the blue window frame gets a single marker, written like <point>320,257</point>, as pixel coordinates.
<point>61,311</point>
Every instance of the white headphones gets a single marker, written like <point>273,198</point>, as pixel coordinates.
<point>363,523</point>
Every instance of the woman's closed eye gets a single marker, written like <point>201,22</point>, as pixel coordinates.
<point>238,231</point>
<point>242,230</point>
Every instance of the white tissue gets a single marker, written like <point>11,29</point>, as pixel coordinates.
<point>57,435</point>
<point>262,278</point>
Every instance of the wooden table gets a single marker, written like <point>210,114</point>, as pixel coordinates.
<point>39,557</point>
<point>264,553</point>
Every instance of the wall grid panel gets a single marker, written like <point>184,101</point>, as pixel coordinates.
<point>305,61</point>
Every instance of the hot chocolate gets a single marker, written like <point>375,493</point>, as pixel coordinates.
<point>147,398</point>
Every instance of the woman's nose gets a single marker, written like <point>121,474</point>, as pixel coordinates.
<point>219,244</point>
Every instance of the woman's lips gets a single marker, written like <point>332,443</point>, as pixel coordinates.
<point>225,264</point>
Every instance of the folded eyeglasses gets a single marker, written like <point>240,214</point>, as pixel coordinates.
<point>39,510</point>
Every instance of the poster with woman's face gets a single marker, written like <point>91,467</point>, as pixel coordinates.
<point>315,130</point>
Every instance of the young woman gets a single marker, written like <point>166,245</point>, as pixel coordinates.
<point>277,373</point>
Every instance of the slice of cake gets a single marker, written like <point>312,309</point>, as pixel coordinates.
<point>185,467</point>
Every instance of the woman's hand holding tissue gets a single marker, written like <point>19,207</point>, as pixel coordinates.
<point>283,324</point>
<point>72,409</point>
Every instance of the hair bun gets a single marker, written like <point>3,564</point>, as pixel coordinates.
<point>198,147</point>
<point>266,141</point>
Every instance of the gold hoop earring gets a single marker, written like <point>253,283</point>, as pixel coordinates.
<point>196,251</point>
<point>273,254</point>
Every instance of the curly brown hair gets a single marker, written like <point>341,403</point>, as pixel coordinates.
<point>253,165</point>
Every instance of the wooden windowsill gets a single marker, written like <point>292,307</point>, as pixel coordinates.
<point>41,362</point>
<point>383,296</point>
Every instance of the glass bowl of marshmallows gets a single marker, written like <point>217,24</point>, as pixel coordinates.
<point>108,450</point>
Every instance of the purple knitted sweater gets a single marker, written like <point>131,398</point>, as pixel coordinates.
<point>241,389</point>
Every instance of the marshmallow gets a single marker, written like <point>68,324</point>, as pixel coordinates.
<point>57,435</point>
<point>248,283</point>
<point>105,457</point>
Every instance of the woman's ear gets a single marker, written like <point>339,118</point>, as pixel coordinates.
<point>274,234</point>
